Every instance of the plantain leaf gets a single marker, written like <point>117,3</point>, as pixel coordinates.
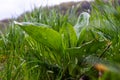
<point>43,34</point>
<point>82,36</point>
<point>92,47</point>
<point>68,35</point>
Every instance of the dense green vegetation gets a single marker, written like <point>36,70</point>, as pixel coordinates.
<point>47,45</point>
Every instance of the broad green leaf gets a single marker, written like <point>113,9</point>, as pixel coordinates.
<point>87,34</point>
<point>78,51</point>
<point>87,48</point>
<point>43,34</point>
<point>68,35</point>
<point>82,35</point>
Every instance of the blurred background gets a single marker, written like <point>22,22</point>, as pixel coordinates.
<point>14,8</point>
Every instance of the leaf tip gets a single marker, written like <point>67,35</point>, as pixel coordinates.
<point>15,22</point>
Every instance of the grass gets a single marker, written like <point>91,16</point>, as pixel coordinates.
<point>45,46</point>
